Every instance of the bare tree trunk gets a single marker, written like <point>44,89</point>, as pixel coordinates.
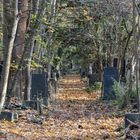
<point>52,20</point>
<point>20,44</point>
<point>7,59</point>
<point>136,53</point>
<point>1,21</point>
<point>22,27</point>
<point>33,30</point>
<point>29,51</point>
<point>138,65</point>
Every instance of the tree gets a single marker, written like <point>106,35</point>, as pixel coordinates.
<point>8,52</point>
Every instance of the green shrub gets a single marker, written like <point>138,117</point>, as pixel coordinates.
<point>121,91</point>
<point>97,86</point>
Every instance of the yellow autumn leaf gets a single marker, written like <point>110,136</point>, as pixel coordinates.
<point>85,12</point>
<point>50,31</point>
<point>88,18</point>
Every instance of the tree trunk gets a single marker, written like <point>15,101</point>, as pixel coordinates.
<point>136,53</point>
<point>22,27</point>
<point>30,48</point>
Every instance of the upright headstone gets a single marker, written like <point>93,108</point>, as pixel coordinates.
<point>132,117</point>
<point>110,74</point>
<point>39,87</point>
<point>59,52</point>
<point>115,62</point>
<point>93,78</point>
<point>124,68</point>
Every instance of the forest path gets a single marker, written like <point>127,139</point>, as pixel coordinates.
<point>80,115</point>
<point>75,115</point>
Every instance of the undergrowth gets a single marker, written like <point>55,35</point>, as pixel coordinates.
<point>96,87</point>
<point>121,91</point>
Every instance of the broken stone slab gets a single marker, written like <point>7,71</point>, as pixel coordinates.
<point>37,120</point>
<point>8,116</point>
<point>132,117</point>
<point>34,104</point>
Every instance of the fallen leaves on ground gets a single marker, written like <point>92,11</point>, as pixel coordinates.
<point>75,115</point>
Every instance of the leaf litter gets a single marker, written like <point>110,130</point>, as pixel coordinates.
<point>74,115</point>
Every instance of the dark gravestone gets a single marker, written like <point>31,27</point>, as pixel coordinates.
<point>82,72</point>
<point>39,87</point>
<point>115,62</point>
<point>8,116</point>
<point>0,69</point>
<point>92,79</point>
<point>57,75</point>
<point>59,52</point>
<point>123,68</point>
<point>132,117</point>
<point>110,74</point>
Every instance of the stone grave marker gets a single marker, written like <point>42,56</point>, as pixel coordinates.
<point>82,72</point>
<point>124,68</point>
<point>132,117</point>
<point>115,62</point>
<point>59,52</point>
<point>110,74</point>
<point>39,87</point>
<point>93,78</point>
<point>8,116</point>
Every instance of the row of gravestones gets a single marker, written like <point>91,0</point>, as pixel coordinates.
<point>39,95</point>
<point>41,88</point>
<point>40,92</point>
<point>109,75</point>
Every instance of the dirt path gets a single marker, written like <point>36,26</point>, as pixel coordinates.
<point>75,115</point>
<point>79,115</point>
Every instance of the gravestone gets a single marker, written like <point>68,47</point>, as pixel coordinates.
<point>8,116</point>
<point>132,117</point>
<point>110,74</point>
<point>39,87</point>
<point>115,62</point>
<point>124,68</point>
<point>93,78</point>
<point>59,52</point>
<point>82,72</point>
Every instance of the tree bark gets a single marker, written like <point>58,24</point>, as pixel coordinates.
<point>7,57</point>
<point>22,28</point>
<point>30,48</point>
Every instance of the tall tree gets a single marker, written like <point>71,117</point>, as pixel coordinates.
<point>8,47</point>
<point>37,14</point>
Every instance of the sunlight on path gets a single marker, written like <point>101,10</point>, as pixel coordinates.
<point>80,115</point>
<point>75,115</point>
